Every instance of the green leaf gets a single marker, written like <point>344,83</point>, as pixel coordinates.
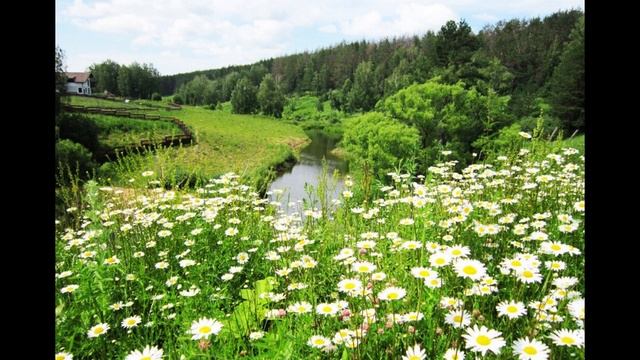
<point>59,309</point>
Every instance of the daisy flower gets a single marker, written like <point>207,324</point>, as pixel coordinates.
<point>565,337</point>
<point>423,273</point>
<point>458,251</point>
<point>379,276</point>
<point>454,354</point>
<point>528,276</point>
<point>472,269</point>
<point>350,285</point>
<point>511,309</point>
<point>69,288</point>
<point>64,356</point>
<point>231,231</point>
<point>343,335</point>
<point>98,330</point>
<point>458,319</point>
<point>363,267</point>
<point>327,309</point>
<point>301,307</point>
<point>111,261</point>
<point>576,308</point>
<point>415,353</point>
<point>392,293</point>
<point>439,259</point>
<point>412,316</point>
<point>318,341</point>
<point>483,340</point>
<point>530,349</point>
<point>131,322</point>
<point>148,353</point>
<point>203,328</point>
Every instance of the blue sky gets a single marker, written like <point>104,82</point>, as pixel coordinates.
<point>186,35</point>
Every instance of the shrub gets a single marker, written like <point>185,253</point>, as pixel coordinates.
<point>375,141</point>
<point>178,99</point>
<point>79,129</point>
<point>75,157</point>
<point>156,97</point>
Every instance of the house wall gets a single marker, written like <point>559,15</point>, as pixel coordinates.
<point>85,88</point>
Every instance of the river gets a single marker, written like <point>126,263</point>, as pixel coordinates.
<point>308,171</point>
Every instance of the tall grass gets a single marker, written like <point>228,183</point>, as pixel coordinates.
<point>222,252</point>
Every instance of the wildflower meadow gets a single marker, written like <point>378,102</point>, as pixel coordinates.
<point>480,262</point>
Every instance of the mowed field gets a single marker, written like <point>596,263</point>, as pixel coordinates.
<point>246,144</point>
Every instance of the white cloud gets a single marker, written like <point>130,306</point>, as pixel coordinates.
<point>329,28</point>
<point>225,32</point>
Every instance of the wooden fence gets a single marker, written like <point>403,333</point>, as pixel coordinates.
<point>170,106</point>
<point>186,138</point>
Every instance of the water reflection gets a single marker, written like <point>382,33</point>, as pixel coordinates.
<point>308,171</point>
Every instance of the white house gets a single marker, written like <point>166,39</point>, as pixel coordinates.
<point>79,83</point>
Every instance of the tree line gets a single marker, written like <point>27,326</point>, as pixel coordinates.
<point>539,63</point>
<point>136,80</point>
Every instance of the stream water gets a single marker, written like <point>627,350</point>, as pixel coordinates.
<point>308,170</point>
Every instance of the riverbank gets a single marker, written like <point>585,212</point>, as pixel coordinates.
<point>309,170</point>
<point>251,145</point>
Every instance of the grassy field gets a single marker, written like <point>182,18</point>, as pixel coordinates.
<point>483,263</point>
<point>119,131</point>
<point>303,111</point>
<point>246,144</point>
<point>576,142</point>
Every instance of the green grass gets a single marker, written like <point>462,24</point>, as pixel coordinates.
<point>119,131</point>
<point>507,220</point>
<point>577,142</point>
<point>97,102</point>
<point>246,144</point>
<point>303,111</point>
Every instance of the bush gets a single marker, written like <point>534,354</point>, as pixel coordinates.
<point>156,97</point>
<point>75,157</point>
<point>178,99</point>
<point>375,141</point>
<point>79,129</point>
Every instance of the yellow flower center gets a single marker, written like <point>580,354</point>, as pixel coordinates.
<point>527,274</point>
<point>350,286</point>
<point>131,322</point>
<point>327,309</point>
<point>469,270</point>
<point>392,296</point>
<point>363,268</point>
<point>555,247</point>
<point>457,319</point>
<point>414,357</point>
<point>440,261</point>
<point>511,309</point>
<point>146,357</point>
<point>59,357</point>
<point>530,350</point>
<point>516,263</point>
<point>424,273</point>
<point>99,330</point>
<point>567,340</point>
<point>205,330</point>
<point>456,252</point>
<point>319,341</point>
<point>483,340</point>
<point>301,308</point>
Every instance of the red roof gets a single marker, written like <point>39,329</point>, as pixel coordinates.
<point>78,77</point>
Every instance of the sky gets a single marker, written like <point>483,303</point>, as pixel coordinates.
<point>178,36</point>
